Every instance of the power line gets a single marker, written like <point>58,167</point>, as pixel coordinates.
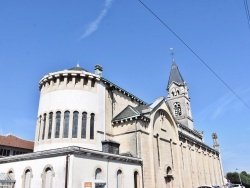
<point>197,55</point>
<point>247,12</point>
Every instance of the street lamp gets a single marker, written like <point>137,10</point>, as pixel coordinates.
<point>239,177</point>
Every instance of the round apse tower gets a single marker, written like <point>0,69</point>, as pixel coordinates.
<point>71,110</point>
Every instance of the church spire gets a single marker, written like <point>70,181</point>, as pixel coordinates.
<point>175,75</point>
<point>178,98</point>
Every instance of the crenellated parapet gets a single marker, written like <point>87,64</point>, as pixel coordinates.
<point>70,110</point>
<point>69,79</point>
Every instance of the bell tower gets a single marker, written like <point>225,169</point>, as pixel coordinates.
<point>178,98</point>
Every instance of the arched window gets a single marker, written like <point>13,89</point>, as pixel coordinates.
<point>177,109</point>
<point>136,180</point>
<point>11,174</point>
<point>84,124</point>
<point>92,120</point>
<point>98,174</point>
<point>168,171</point>
<point>66,125</point>
<point>48,178</point>
<point>27,179</point>
<point>44,125</point>
<point>177,92</point>
<point>75,124</point>
<point>58,120</point>
<point>50,124</point>
<point>119,179</point>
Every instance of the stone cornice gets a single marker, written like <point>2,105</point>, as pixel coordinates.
<point>74,150</point>
<point>66,73</point>
<point>132,118</point>
<point>182,135</point>
<point>193,132</point>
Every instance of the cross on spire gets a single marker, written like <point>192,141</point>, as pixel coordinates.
<point>172,53</point>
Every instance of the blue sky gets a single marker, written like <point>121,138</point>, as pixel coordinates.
<point>38,37</point>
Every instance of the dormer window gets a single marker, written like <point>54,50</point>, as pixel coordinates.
<point>177,109</point>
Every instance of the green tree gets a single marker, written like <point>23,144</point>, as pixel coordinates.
<point>234,178</point>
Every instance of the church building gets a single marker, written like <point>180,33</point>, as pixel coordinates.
<point>91,133</point>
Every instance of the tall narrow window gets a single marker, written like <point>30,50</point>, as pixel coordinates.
<point>44,125</point>
<point>136,180</point>
<point>158,149</point>
<point>27,179</point>
<point>66,125</point>
<point>39,127</point>
<point>98,173</point>
<point>48,178</point>
<point>75,124</point>
<point>58,120</point>
<point>50,124</point>
<point>92,120</point>
<point>84,124</point>
<point>119,179</point>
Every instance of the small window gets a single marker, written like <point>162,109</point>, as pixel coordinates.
<point>58,120</point>
<point>11,174</point>
<point>98,173</point>
<point>84,124</point>
<point>136,180</point>
<point>44,125</point>
<point>119,179</point>
<point>92,131</point>
<point>50,124</point>
<point>168,171</point>
<point>66,125</point>
<point>75,124</point>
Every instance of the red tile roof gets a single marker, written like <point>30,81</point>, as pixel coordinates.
<point>13,141</point>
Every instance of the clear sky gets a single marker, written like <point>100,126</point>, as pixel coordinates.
<point>39,37</point>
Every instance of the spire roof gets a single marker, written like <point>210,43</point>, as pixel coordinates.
<point>175,75</point>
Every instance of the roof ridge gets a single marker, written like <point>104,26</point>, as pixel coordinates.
<point>9,134</point>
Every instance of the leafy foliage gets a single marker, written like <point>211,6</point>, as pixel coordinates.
<point>235,178</point>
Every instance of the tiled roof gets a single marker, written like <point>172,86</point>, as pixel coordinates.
<point>129,111</point>
<point>13,141</point>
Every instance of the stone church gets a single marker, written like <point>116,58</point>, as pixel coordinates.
<point>91,133</point>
